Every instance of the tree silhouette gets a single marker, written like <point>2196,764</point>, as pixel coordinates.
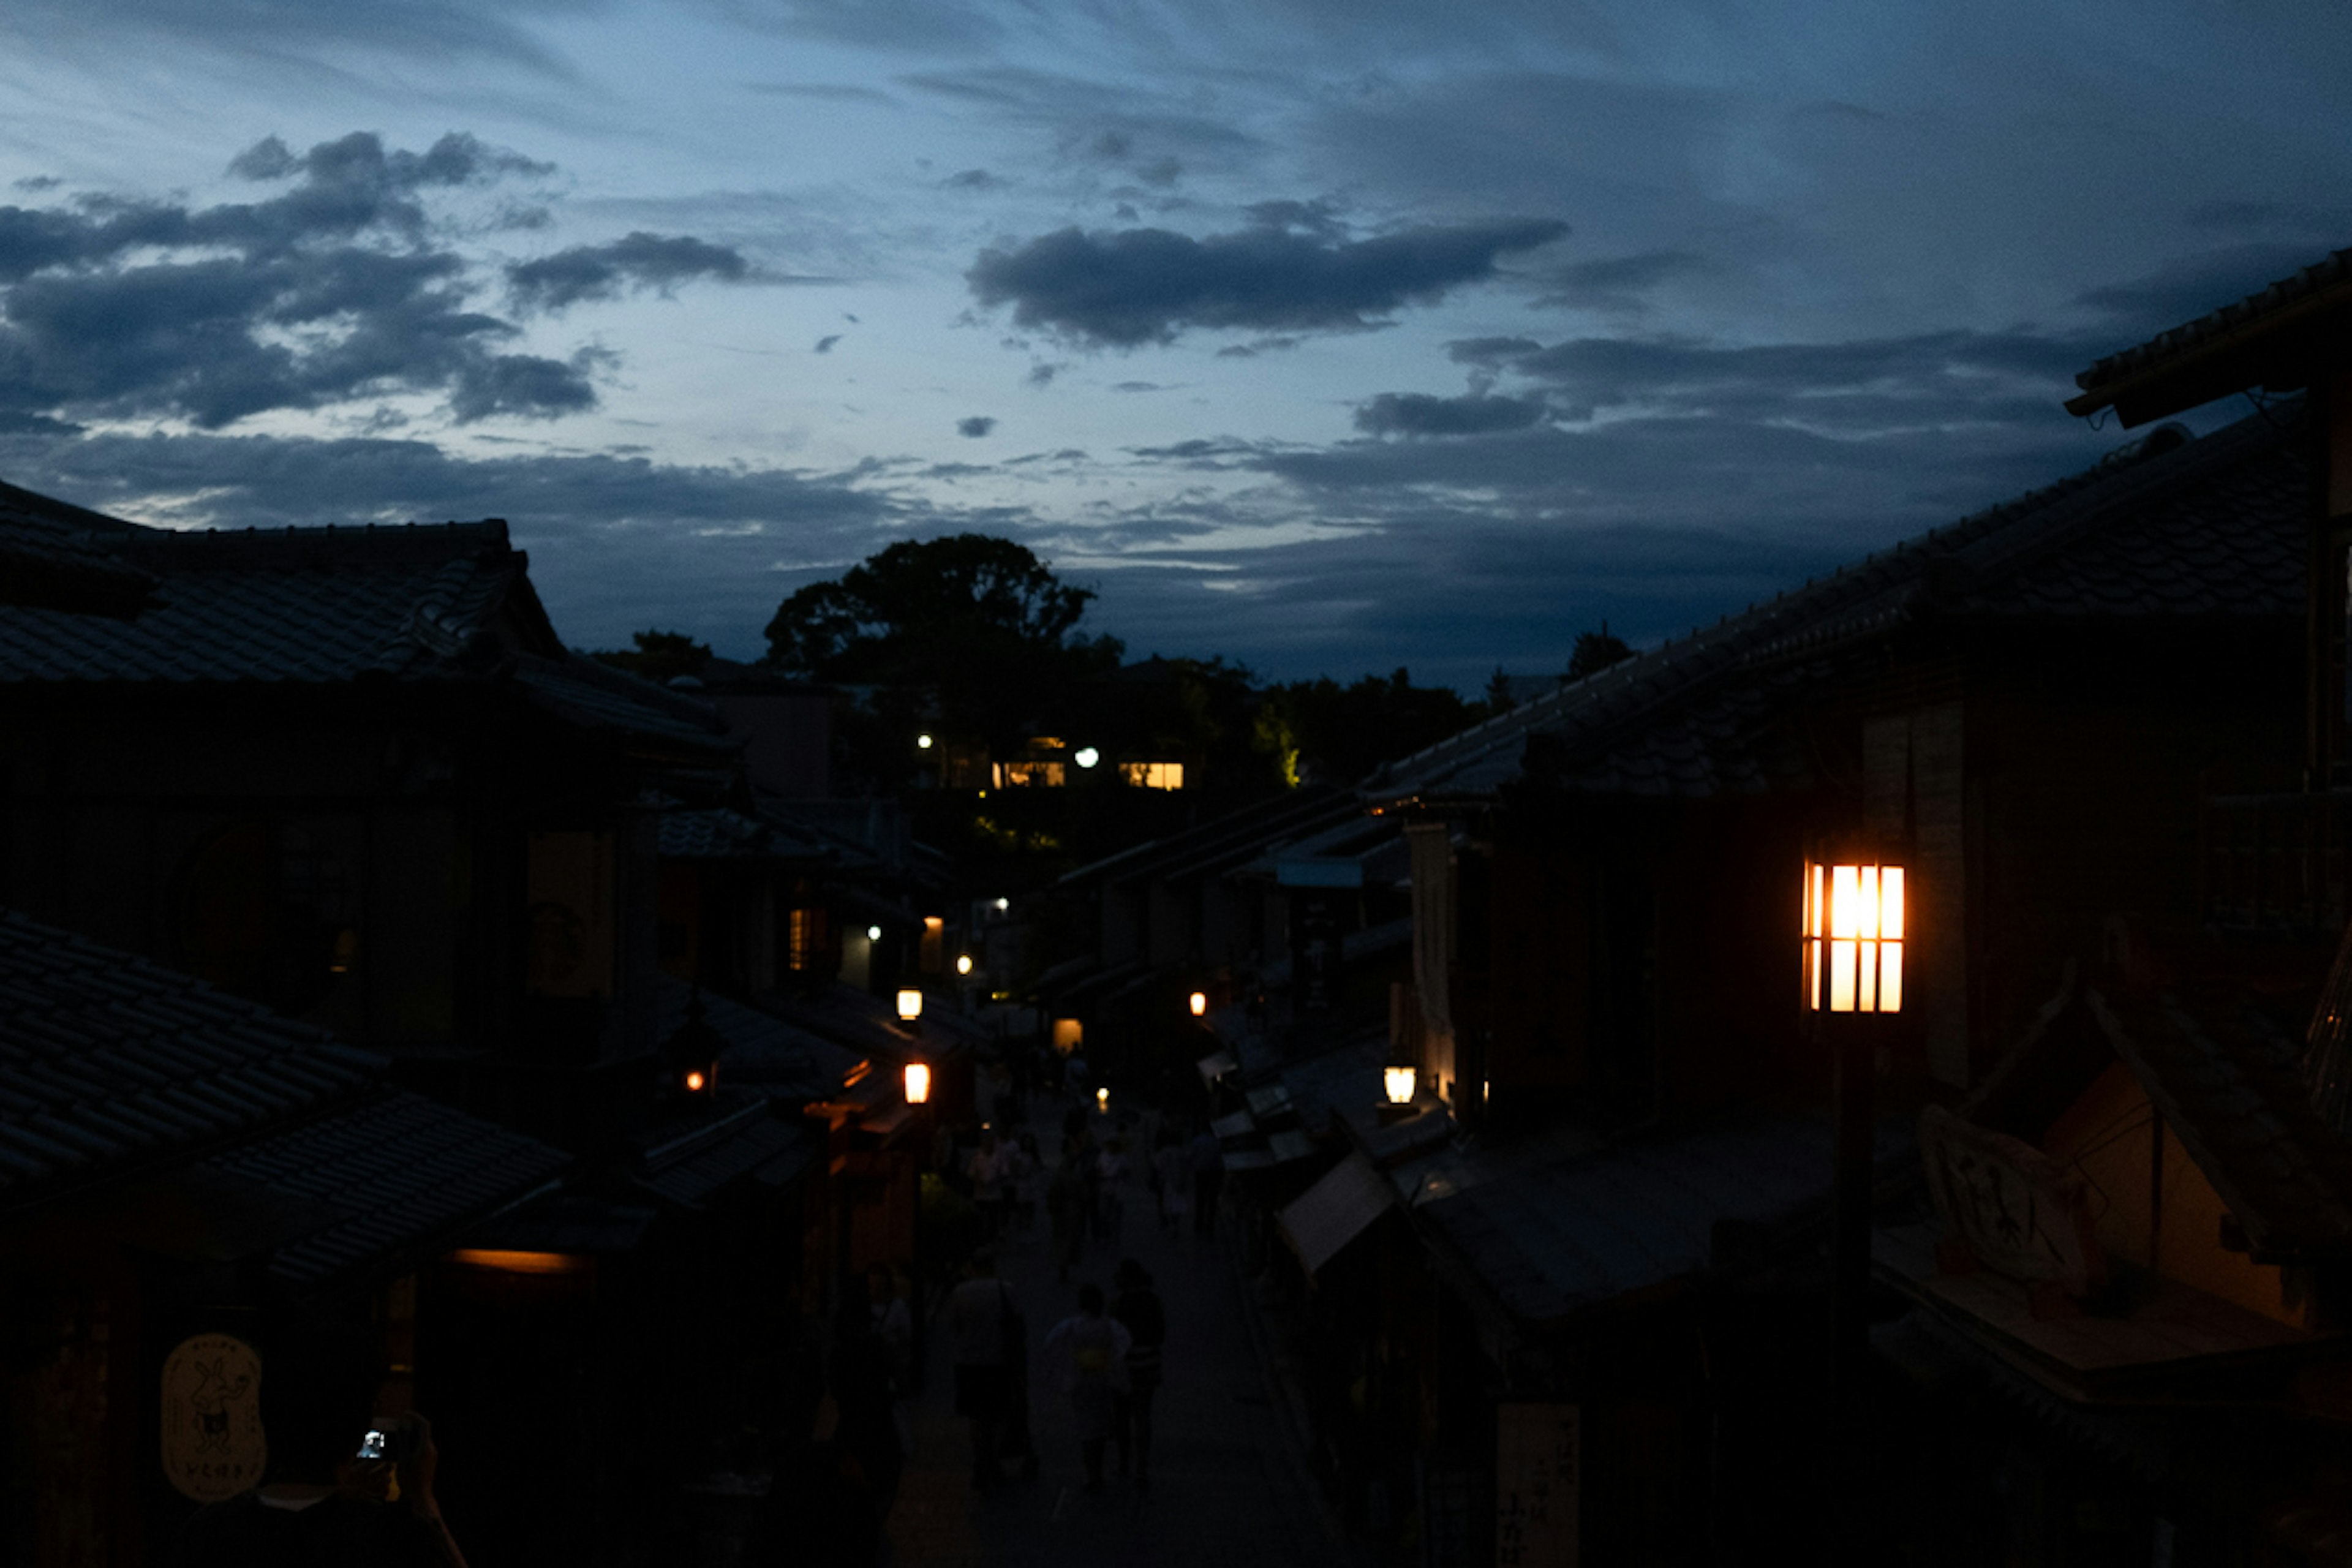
<point>1596,651</point>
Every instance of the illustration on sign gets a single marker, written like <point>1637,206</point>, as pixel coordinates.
<point>2022,1213</point>
<point>211,1417</point>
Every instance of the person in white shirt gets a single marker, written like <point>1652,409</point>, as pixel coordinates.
<point>1088,1356</point>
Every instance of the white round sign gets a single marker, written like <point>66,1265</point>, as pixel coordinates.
<point>212,1443</point>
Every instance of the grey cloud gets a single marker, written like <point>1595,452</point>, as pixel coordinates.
<point>1133,287</point>
<point>825,345</point>
<point>37,182</point>
<point>1418,414</point>
<point>975,426</point>
<point>974,179</point>
<point>635,262</point>
<point>335,287</point>
<point>273,31</point>
<point>2193,286</point>
<point>1042,373</point>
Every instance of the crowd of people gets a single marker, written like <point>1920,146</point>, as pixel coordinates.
<point>839,1454</point>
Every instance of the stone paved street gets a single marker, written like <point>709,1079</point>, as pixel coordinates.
<point>1227,1487</point>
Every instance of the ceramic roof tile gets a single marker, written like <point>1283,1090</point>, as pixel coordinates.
<point>107,1077</point>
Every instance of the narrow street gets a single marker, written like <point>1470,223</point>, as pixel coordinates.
<point>1227,1484</point>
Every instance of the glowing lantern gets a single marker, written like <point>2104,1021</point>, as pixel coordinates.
<point>694,1082</point>
<point>1852,937</point>
<point>1399,1082</point>
<point>963,963</point>
<point>1102,1100</point>
<point>1086,757</point>
<point>874,933</point>
<point>919,1082</point>
<point>924,742</point>
<point>910,1005</point>
<point>1199,1003</point>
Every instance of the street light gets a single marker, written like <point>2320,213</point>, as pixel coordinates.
<point>923,742</point>
<point>1398,1082</point>
<point>1199,1003</point>
<point>963,963</point>
<point>919,1083</point>
<point>1086,757</point>
<point>910,1003</point>
<point>1851,942</point>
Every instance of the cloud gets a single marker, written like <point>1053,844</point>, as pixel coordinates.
<point>976,427</point>
<point>1418,414</point>
<point>339,284</point>
<point>37,182</point>
<point>1621,283</point>
<point>825,345</point>
<point>634,263</point>
<point>1132,287</point>
<point>974,179</point>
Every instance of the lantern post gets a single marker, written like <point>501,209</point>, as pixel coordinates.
<point>1852,946</point>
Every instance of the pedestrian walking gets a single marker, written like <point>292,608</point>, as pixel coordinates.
<point>984,1171</point>
<point>1111,1190</point>
<point>1208,1176</point>
<point>983,1323</point>
<point>1088,1354</point>
<point>892,1321</point>
<point>859,1374</point>
<point>1139,1310</point>
<point>1080,1078</point>
<point>1174,1161</point>
<point>1011,1169</point>
<point>1032,1183</point>
<point>1066,1209</point>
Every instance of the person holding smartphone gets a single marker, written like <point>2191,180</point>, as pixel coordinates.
<point>344,1488</point>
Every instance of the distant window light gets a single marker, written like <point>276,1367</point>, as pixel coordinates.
<point>1154,776</point>
<point>804,939</point>
<point>1030,775</point>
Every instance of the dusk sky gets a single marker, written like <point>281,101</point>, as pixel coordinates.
<point>1326,337</point>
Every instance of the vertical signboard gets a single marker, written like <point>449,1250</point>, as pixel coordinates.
<point>1539,1458</point>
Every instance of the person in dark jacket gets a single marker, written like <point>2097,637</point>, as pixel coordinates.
<point>859,1374</point>
<point>1137,1307</point>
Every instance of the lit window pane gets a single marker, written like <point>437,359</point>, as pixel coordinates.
<point>1890,977</point>
<point>1867,1002</point>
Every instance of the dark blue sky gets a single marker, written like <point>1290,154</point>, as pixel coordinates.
<point>1325,337</point>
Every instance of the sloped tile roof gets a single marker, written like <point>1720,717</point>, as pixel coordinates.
<point>2208,527</point>
<point>2323,285</point>
<point>719,834</point>
<point>296,605</point>
<point>763,1052</point>
<point>597,697</point>
<point>2229,1084</point>
<point>758,1146</point>
<point>109,1064</point>
<point>406,1173</point>
<point>54,553</point>
<point>1551,1240</point>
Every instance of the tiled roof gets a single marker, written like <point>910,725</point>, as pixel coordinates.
<point>597,697</point>
<point>2210,527</point>
<point>1554,1240</point>
<point>1222,842</point>
<point>763,1052</point>
<point>2323,285</point>
<point>752,1143</point>
<point>2229,1083</point>
<point>109,1064</point>
<point>406,1173</point>
<point>65,557</point>
<point>296,605</point>
<point>719,834</point>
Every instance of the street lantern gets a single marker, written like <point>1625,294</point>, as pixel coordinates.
<point>1199,1003</point>
<point>919,1082</point>
<point>1853,935</point>
<point>923,742</point>
<point>1398,1080</point>
<point>1086,757</point>
<point>874,933</point>
<point>910,1003</point>
<point>1851,965</point>
<point>963,963</point>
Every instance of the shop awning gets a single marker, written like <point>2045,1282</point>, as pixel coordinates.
<point>1335,1211</point>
